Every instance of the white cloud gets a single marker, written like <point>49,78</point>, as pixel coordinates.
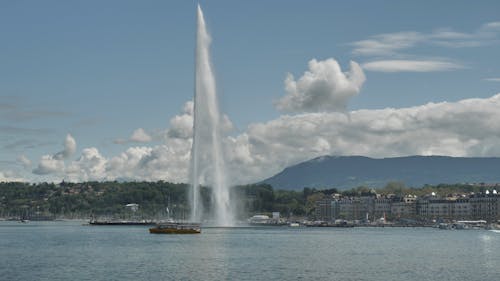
<point>91,165</point>
<point>387,44</point>
<point>188,108</point>
<point>169,162</point>
<point>226,124</point>
<point>69,148</point>
<point>54,164</point>
<point>127,161</point>
<point>139,135</point>
<point>24,161</point>
<point>450,34</point>
<point>389,50</point>
<point>490,27</point>
<point>410,66</point>
<point>181,126</point>
<point>324,87</point>
<point>390,44</point>
<point>48,164</point>
<point>492,79</point>
<point>9,176</point>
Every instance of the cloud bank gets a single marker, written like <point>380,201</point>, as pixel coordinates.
<point>468,127</point>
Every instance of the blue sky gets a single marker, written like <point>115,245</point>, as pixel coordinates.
<point>99,70</point>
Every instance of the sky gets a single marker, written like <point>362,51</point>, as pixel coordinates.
<point>101,90</point>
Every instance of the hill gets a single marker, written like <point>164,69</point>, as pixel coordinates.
<point>344,172</point>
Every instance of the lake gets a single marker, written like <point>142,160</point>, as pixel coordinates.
<point>71,251</point>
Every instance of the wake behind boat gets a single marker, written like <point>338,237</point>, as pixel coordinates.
<point>176,228</point>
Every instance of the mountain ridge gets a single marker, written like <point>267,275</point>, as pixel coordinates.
<point>344,172</point>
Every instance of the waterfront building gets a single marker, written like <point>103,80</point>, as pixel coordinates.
<point>484,206</point>
<point>404,208</point>
<point>460,209</point>
<point>348,209</point>
<point>382,207</point>
<point>324,209</point>
<point>439,209</point>
<point>367,207</point>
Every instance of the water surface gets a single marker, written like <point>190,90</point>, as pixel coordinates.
<point>72,251</point>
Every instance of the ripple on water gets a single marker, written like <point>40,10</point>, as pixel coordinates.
<point>71,251</point>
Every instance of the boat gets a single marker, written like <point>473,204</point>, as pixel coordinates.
<point>465,224</point>
<point>121,222</point>
<point>176,228</point>
<point>329,224</point>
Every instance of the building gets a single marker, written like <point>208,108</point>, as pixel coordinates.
<point>324,210</point>
<point>405,207</point>
<point>484,206</point>
<point>381,208</point>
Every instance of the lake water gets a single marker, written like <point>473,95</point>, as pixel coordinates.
<point>72,251</point>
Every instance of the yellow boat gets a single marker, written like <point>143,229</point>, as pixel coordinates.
<point>176,228</point>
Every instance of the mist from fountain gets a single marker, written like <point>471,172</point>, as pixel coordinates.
<point>207,160</point>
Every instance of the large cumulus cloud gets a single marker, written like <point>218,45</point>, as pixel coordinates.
<point>69,148</point>
<point>181,126</point>
<point>324,87</point>
<point>169,161</point>
<point>91,165</point>
<point>54,164</point>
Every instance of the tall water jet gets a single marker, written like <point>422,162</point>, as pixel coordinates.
<point>207,161</point>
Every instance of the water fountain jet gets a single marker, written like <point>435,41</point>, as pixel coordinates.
<point>206,153</point>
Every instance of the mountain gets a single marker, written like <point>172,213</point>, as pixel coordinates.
<point>344,172</point>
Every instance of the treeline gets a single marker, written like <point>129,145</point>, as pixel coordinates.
<point>79,200</point>
<point>155,199</point>
<point>161,199</point>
